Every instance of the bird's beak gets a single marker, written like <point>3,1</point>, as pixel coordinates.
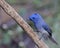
<point>28,19</point>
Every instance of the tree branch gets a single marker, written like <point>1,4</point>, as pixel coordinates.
<point>12,13</point>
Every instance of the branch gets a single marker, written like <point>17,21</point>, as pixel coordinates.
<point>12,13</point>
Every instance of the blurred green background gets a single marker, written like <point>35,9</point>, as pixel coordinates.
<point>13,36</point>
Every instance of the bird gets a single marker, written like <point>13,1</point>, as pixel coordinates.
<point>42,27</point>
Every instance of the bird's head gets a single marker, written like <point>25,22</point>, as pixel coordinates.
<point>35,17</point>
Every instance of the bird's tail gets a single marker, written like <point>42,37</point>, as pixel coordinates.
<point>53,40</point>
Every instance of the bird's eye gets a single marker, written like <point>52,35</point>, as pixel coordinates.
<point>33,17</point>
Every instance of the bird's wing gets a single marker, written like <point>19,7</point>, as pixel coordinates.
<point>48,29</point>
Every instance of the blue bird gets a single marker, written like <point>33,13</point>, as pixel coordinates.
<point>42,26</point>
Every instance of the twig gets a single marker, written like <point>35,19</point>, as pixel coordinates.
<point>12,13</point>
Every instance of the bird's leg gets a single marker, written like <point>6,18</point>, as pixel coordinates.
<point>41,36</point>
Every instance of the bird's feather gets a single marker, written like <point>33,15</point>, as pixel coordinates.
<point>48,29</point>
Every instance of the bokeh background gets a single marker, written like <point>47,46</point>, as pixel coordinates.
<point>13,36</point>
